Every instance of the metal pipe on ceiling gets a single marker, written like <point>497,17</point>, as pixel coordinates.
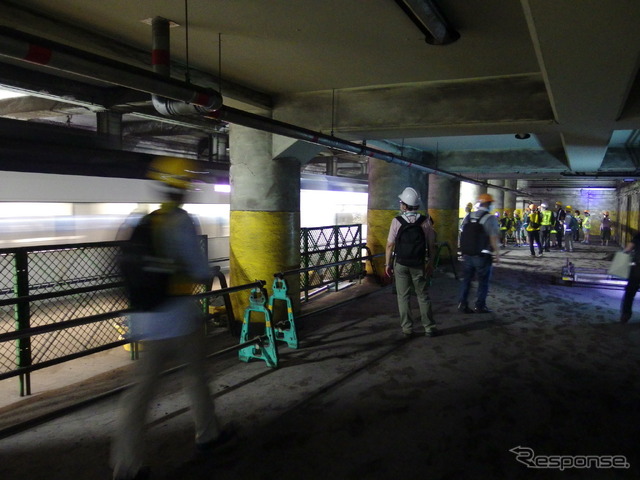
<point>26,48</point>
<point>174,98</point>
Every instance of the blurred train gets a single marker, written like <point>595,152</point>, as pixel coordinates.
<point>39,209</point>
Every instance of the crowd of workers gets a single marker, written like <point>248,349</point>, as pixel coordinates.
<point>547,228</point>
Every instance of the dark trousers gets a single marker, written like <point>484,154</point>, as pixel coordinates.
<point>560,236</point>
<point>479,265</point>
<point>631,289</point>
<point>545,237</point>
<point>534,236</point>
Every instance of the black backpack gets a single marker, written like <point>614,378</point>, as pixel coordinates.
<point>146,273</point>
<point>474,238</point>
<point>411,243</point>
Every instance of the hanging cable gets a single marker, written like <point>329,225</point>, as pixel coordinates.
<point>220,63</point>
<point>186,25</point>
<point>333,110</point>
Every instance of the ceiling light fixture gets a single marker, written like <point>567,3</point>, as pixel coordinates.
<point>427,17</point>
<point>523,136</point>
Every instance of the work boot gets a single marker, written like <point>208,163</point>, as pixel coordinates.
<point>227,438</point>
<point>432,332</point>
<point>143,474</point>
<point>464,308</point>
<point>483,309</point>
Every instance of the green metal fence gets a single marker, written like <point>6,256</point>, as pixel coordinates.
<point>331,244</point>
<point>66,301</point>
<point>45,287</point>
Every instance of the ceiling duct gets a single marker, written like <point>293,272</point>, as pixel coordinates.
<point>428,18</point>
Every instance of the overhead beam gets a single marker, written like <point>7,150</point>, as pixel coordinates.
<point>588,68</point>
<point>391,111</point>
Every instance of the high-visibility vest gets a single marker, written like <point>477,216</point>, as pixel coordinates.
<point>534,218</point>
<point>547,217</point>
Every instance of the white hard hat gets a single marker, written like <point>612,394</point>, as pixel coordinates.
<point>410,197</point>
<point>543,205</point>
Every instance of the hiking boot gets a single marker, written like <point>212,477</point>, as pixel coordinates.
<point>464,308</point>
<point>482,310</point>
<point>226,438</point>
<point>143,474</point>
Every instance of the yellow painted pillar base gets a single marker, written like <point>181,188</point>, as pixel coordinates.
<point>378,223</point>
<point>262,244</point>
<point>446,227</point>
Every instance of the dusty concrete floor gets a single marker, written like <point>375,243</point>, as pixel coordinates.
<point>550,370</point>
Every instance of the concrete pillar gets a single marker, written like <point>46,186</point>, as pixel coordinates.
<point>386,182</point>
<point>510,197</point>
<point>444,198</point>
<point>109,126</point>
<point>522,202</point>
<point>265,214</point>
<point>469,193</point>
<point>497,194</point>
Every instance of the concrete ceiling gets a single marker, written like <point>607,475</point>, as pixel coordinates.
<point>563,71</point>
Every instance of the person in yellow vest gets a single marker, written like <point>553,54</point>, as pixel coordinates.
<point>533,230</point>
<point>586,226</point>
<point>505,226</point>
<point>517,227</point>
<point>546,225</point>
<point>525,224</point>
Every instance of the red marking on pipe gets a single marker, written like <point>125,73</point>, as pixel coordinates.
<point>314,138</point>
<point>202,99</point>
<point>38,54</point>
<point>160,57</point>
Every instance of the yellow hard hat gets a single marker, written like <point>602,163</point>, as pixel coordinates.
<point>568,207</point>
<point>177,173</point>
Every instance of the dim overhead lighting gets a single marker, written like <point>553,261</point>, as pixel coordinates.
<point>523,136</point>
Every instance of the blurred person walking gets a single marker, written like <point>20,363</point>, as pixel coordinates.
<point>169,328</point>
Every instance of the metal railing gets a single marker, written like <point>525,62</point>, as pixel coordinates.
<point>62,302</point>
<point>75,288</point>
<point>340,246</point>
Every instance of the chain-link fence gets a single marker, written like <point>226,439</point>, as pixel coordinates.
<point>325,245</point>
<point>57,303</point>
<point>63,302</point>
